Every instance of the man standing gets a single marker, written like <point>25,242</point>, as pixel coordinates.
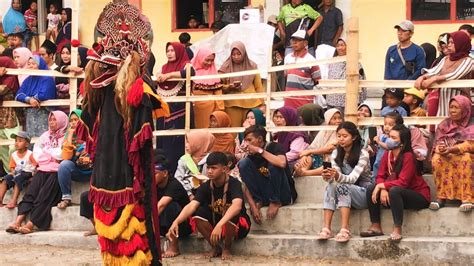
<point>300,78</point>
<point>404,60</point>
<point>265,173</point>
<point>332,26</point>
<point>295,16</point>
<point>218,208</point>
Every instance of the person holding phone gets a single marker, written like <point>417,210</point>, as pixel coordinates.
<point>348,177</point>
<point>240,61</point>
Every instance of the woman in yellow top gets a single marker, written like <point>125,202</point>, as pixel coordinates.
<point>239,61</point>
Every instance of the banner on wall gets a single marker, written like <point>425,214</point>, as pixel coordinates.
<point>258,40</point>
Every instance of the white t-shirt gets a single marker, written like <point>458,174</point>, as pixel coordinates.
<point>53,21</point>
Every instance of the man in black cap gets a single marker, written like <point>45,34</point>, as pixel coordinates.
<point>47,51</point>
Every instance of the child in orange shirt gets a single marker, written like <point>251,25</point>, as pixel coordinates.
<point>22,166</point>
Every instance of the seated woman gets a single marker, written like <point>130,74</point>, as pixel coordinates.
<point>43,191</point>
<point>311,115</point>
<point>33,91</point>
<point>348,181</point>
<point>76,164</point>
<point>223,142</point>
<point>21,56</point>
<point>254,117</point>
<point>62,84</point>
<point>452,158</point>
<point>398,186</point>
<point>236,62</point>
<point>197,147</point>
<point>292,142</point>
<point>311,162</point>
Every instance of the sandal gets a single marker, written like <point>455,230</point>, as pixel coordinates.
<point>13,229</point>
<point>465,207</point>
<point>325,234</point>
<point>25,230</point>
<point>395,238</point>
<point>436,205</point>
<point>371,233</point>
<point>64,204</point>
<point>343,236</point>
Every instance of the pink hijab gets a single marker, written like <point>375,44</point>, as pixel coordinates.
<point>62,120</point>
<point>197,63</point>
<point>24,54</point>
<point>448,129</point>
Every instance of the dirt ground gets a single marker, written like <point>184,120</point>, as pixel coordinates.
<point>48,255</point>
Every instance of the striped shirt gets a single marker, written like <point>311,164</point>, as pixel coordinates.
<point>359,175</point>
<point>300,79</point>
<point>30,18</point>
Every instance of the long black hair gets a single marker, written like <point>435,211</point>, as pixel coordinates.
<point>405,146</point>
<point>356,148</point>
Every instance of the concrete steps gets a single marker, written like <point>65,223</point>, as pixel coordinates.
<point>411,250</point>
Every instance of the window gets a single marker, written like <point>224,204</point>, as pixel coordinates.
<point>195,15</point>
<point>459,11</point>
<point>43,10</point>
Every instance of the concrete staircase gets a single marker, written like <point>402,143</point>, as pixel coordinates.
<point>443,236</point>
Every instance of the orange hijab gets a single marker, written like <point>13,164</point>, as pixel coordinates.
<point>225,142</point>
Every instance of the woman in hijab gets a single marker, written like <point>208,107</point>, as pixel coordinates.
<point>198,145</point>
<point>14,21</point>
<point>43,192</point>
<point>203,64</point>
<point>64,32</point>
<point>338,71</point>
<point>452,158</point>
<point>8,119</point>
<point>62,84</point>
<point>292,142</point>
<point>224,142</point>
<point>21,56</point>
<point>173,145</point>
<point>457,65</point>
<point>33,91</point>
<point>240,61</point>
<point>319,151</point>
<point>311,115</point>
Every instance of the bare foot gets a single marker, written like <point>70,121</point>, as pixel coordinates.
<point>92,232</point>
<point>215,252</point>
<point>226,255</point>
<point>272,210</point>
<point>11,205</point>
<point>173,250</point>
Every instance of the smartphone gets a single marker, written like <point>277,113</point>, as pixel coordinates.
<point>327,165</point>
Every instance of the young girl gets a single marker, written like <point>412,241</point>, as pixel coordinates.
<point>311,162</point>
<point>43,191</point>
<point>224,142</point>
<point>351,171</point>
<point>74,166</point>
<point>399,185</point>
<point>53,22</point>
<point>197,146</point>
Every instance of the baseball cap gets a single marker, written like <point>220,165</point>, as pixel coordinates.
<point>405,25</point>
<point>414,91</point>
<point>397,93</point>
<point>21,134</point>
<point>300,34</point>
<point>272,19</point>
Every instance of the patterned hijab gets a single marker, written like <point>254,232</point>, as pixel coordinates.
<point>198,65</point>
<point>463,130</point>
<point>229,66</point>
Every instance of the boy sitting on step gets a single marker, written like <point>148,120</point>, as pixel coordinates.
<point>22,166</point>
<point>218,209</point>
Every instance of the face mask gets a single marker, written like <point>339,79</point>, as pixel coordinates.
<point>392,144</point>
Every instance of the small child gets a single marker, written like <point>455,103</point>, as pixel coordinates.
<point>393,98</point>
<point>414,98</point>
<point>22,166</point>
<point>31,19</point>
<point>15,40</point>
<point>382,140</point>
<point>53,21</point>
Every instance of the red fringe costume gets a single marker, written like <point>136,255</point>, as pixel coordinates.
<point>117,123</point>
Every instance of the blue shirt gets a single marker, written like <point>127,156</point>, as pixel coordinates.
<point>394,68</point>
<point>387,109</point>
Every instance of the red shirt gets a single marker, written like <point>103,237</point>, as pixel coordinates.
<point>30,18</point>
<point>408,177</point>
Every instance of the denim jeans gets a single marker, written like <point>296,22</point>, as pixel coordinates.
<point>344,195</point>
<point>265,189</point>
<point>68,172</point>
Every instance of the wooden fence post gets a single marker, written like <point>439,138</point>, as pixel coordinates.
<point>75,36</point>
<point>187,123</point>
<point>268,100</point>
<point>352,71</point>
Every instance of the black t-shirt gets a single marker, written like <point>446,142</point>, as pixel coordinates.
<point>175,190</point>
<point>273,148</point>
<point>234,191</point>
